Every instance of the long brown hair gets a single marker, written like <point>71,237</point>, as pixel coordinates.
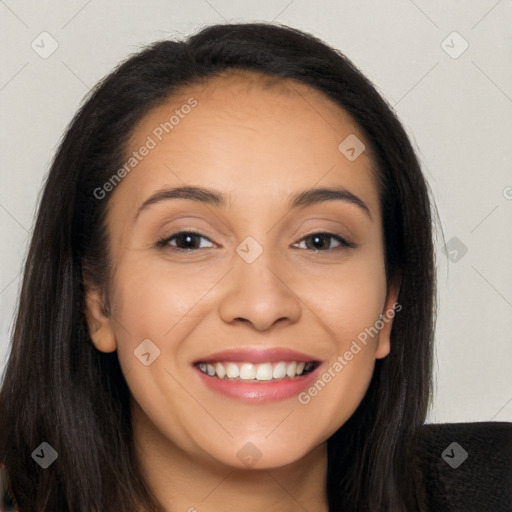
<point>59,389</point>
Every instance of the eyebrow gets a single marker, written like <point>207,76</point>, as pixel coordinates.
<point>300,199</point>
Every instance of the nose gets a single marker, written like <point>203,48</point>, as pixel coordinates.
<point>260,293</point>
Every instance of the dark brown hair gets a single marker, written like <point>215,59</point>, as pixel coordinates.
<point>58,388</point>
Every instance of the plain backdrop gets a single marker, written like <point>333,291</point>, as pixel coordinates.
<point>445,66</point>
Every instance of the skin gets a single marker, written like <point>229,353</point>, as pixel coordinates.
<point>257,142</point>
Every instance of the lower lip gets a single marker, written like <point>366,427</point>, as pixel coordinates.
<point>260,391</point>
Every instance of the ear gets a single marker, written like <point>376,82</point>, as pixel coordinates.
<point>388,313</point>
<point>99,321</point>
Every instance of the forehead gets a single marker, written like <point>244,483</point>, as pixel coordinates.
<point>248,133</point>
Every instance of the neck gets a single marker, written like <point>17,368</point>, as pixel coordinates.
<point>184,483</point>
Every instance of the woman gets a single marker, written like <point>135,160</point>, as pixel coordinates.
<point>229,295</point>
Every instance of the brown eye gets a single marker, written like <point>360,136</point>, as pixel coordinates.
<point>322,241</point>
<point>184,241</point>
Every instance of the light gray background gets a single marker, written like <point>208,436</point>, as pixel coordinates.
<point>458,112</point>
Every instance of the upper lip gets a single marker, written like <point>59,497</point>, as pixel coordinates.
<point>257,355</point>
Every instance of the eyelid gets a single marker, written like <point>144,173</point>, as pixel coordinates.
<point>343,240</point>
<point>164,242</point>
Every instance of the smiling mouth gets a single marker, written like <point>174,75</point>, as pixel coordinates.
<point>261,372</point>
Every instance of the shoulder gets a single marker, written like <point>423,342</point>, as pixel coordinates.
<point>466,466</point>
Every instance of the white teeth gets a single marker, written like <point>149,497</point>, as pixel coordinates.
<point>232,371</point>
<point>292,369</point>
<point>247,371</point>
<point>250,371</point>
<point>220,370</point>
<point>264,372</point>
<point>279,370</point>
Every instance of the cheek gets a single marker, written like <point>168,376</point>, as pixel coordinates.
<point>350,315</point>
<point>347,302</point>
<point>349,299</point>
<point>153,301</point>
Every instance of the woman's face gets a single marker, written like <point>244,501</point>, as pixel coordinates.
<point>261,284</point>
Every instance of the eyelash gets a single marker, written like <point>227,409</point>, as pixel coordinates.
<point>164,242</point>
